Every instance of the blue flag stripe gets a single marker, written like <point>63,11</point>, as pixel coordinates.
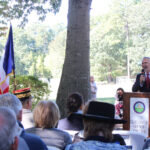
<point>9,64</point>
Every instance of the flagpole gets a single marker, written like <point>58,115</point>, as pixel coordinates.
<point>14,80</point>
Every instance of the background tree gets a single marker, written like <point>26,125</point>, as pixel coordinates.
<point>55,57</point>
<point>76,69</point>
<point>108,55</point>
<point>40,50</point>
<point>76,65</point>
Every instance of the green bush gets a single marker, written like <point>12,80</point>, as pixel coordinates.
<point>39,89</point>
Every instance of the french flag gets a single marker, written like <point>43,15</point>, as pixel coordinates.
<point>7,65</point>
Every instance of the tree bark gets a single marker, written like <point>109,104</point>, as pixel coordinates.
<point>76,69</point>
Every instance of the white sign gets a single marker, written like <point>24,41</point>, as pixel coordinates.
<point>139,115</point>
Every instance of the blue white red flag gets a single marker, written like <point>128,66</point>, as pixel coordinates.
<point>7,65</point>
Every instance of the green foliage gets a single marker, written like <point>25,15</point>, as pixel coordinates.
<point>124,32</point>
<point>110,100</point>
<point>56,55</point>
<point>31,48</point>
<point>120,34</point>
<point>21,9</point>
<point>39,89</point>
<point>39,50</point>
<point>108,48</point>
<point>139,22</point>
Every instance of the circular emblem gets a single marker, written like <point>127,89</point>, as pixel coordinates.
<point>139,107</point>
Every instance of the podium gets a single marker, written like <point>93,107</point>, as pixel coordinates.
<point>136,110</point>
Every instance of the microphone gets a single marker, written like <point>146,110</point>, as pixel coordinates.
<point>142,72</point>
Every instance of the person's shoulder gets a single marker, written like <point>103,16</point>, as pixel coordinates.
<point>78,145</point>
<point>63,133</point>
<point>63,120</point>
<point>138,74</point>
<point>63,124</point>
<point>22,144</point>
<point>30,136</point>
<point>94,145</point>
<point>34,141</point>
<point>28,130</point>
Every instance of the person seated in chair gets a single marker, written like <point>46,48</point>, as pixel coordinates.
<point>119,102</point>
<point>99,122</point>
<point>11,101</point>
<point>72,122</point>
<point>24,95</point>
<point>46,116</point>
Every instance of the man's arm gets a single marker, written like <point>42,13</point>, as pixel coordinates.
<point>136,86</point>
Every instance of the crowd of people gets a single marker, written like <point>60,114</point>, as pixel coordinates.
<point>98,122</point>
<point>42,128</point>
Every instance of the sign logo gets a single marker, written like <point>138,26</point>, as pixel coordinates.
<point>139,107</point>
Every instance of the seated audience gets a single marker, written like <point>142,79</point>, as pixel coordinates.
<point>119,102</point>
<point>12,102</point>
<point>99,122</point>
<point>72,122</point>
<point>8,130</point>
<point>146,146</point>
<point>46,116</point>
<point>24,95</point>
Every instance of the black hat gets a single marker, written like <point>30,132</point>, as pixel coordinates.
<point>101,112</point>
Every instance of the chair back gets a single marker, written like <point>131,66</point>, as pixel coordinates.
<point>134,139</point>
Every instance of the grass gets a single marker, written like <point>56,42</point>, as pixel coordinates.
<point>110,100</point>
<point>107,100</point>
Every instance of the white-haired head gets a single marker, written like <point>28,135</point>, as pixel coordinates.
<point>8,128</point>
<point>12,102</point>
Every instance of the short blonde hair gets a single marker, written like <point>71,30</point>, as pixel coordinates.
<point>46,114</point>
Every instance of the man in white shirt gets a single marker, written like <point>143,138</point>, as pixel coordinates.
<point>93,88</point>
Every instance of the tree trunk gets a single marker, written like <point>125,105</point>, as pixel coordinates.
<point>76,68</point>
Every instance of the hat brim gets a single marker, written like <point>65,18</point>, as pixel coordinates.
<point>100,118</point>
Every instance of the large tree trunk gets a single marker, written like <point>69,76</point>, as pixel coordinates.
<point>76,69</point>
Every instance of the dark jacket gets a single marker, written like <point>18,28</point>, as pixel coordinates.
<point>137,87</point>
<point>34,142</point>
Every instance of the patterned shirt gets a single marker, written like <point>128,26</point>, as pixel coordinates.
<point>95,145</point>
